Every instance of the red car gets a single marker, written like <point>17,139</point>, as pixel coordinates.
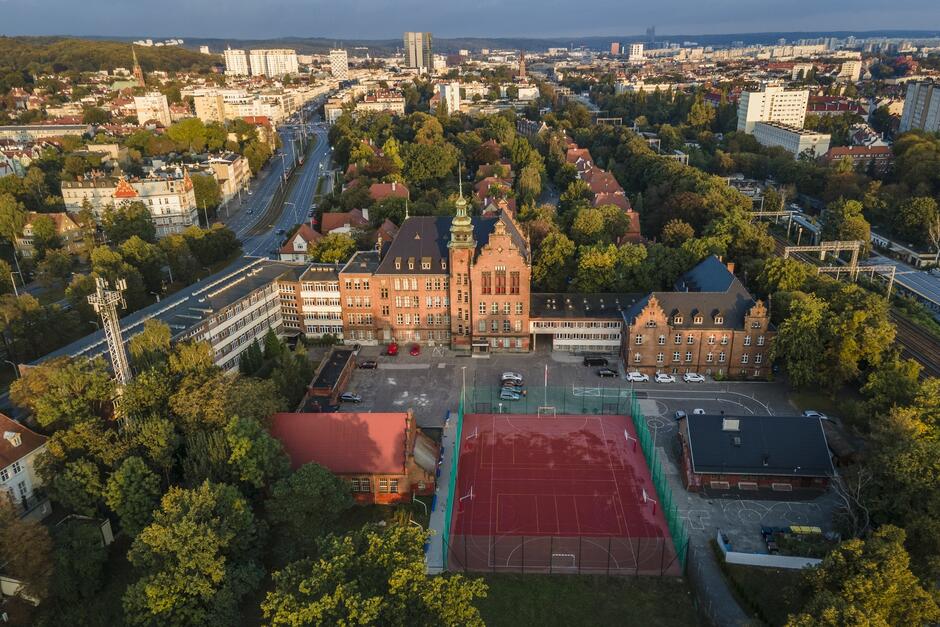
<point>392,349</point>
<point>415,350</point>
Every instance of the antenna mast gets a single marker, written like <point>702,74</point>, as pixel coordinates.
<point>105,302</point>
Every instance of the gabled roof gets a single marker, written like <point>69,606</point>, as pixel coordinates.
<point>29,441</point>
<point>337,220</point>
<point>344,443</point>
<point>305,232</point>
<point>793,446</point>
<point>381,191</point>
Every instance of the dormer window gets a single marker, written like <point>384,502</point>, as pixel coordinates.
<point>443,264</point>
<point>411,263</point>
<point>650,324</point>
<point>755,324</point>
<point>426,264</point>
<point>398,263</point>
<point>677,320</point>
<point>697,320</point>
<point>719,319</point>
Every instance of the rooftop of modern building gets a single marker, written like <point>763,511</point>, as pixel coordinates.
<point>188,307</point>
<point>794,446</point>
<point>332,368</point>
<point>576,305</point>
<point>792,129</point>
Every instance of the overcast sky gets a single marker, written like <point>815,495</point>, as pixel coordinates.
<point>375,19</point>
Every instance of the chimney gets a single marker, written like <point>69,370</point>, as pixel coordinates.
<point>730,266</point>
<point>13,437</point>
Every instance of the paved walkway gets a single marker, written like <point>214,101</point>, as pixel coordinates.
<point>434,557</point>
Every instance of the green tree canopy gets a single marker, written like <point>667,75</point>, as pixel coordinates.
<point>133,492</point>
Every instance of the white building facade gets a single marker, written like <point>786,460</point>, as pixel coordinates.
<point>273,62</point>
<point>236,62</point>
<point>450,97</point>
<point>772,103</point>
<point>794,140</point>
<point>339,65</point>
<point>152,106</point>
<point>921,107</point>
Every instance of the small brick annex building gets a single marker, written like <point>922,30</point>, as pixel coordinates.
<point>758,455</point>
<point>384,456</point>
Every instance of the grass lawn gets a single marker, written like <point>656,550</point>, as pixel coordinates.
<point>545,600</point>
<point>768,593</point>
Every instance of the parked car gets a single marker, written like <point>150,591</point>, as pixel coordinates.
<point>638,377</point>
<point>595,361</point>
<point>518,389</point>
<point>812,413</point>
<point>511,376</point>
<point>662,377</point>
<point>392,350</point>
<point>368,365</point>
<point>698,411</point>
<point>606,372</point>
<point>349,397</point>
<point>693,377</point>
<point>512,383</point>
<point>415,350</point>
<point>508,395</point>
<point>680,414</point>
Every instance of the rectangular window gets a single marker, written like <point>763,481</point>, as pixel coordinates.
<point>638,339</point>
<point>760,340</point>
<point>744,358</point>
<point>500,281</point>
<point>637,357</point>
<point>721,357</point>
<point>505,326</point>
<point>507,308</point>
<point>494,309</point>
<point>4,475</point>
<point>482,326</point>
<point>518,325</point>
<point>482,309</point>
<point>660,357</point>
<point>16,468</point>
<point>487,283</point>
<point>393,486</point>
<point>662,340</point>
<point>678,338</point>
<point>688,356</point>
<point>518,309</point>
<point>513,282</point>
<point>690,339</point>
<point>747,340</point>
<point>383,485</point>
<point>758,358</point>
<point>675,356</point>
<point>494,326</point>
<point>710,357</point>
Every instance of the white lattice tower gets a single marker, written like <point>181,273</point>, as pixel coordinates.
<point>105,302</point>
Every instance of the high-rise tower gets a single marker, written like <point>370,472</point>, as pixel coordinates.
<point>461,247</point>
<point>138,72</point>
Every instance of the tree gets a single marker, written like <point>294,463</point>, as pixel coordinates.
<point>305,505</point>
<point>147,258</point>
<point>12,217</point>
<point>25,551</point>
<point>198,558</point>
<point>895,383</point>
<point>799,338</point>
<point>334,248</point>
<point>554,263</point>
<point>6,280</point>
<point>866,582</point>
<point>372,577</point>
<point>129,219</point>
<point>529,184</point>
<point>588,226</point>
<point>55,267</point>
<point>426,164</point>
<point>914,218</point>
<point>189,133</point>
<point>133,492</point>
<point>78,570</point>
<point>183,264</point>
<point>95,115</point>
<point>843,220</point>
<point>596,268</point>
<point>44,234</point>
<point>207,191</point>
<point>676,232</point>
<point>256,457</point>
<point>64,391</point>
<point>150,347</point>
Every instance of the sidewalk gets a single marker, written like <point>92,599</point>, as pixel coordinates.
<point>434,556</point>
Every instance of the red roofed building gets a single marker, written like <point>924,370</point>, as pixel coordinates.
<point>832,105</point>
<point>344,221</point>
<point>602,182</point>
<point>485,187</point>
<point>878,157</point>
<point>580,158</point>
<point>298,244</point>
<point>384,456</point>
<point>19,481</point>
<point>381,191</point>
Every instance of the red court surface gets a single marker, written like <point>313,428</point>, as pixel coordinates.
<point>556,494</point>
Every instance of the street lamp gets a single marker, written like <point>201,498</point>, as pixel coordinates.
<point>16,369</point>
<point>16,292</point>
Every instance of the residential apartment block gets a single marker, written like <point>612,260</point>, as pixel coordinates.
<point>170,198</point>
<point>339,65</point>
<point>273,63</point>
<point>418,51</point>
<point>232,172</point>
<point>772,103</point>
<point>66,229</point>
<point>310,300</point>
<point>921,107</point>
<point>152,107</point>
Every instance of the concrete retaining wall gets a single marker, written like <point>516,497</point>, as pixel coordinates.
<point>760,559</point>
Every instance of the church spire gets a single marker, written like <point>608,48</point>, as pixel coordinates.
<point>461,227</point>
<point>138,72</point>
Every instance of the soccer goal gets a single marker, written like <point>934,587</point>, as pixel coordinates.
<point>548,410</point>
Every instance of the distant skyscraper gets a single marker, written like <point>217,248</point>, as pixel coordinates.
<point>615,48</point>
<point>339,65</point>
<point>921,107</point>
<point>418,51</point>
<point>236,62</point>
<point>635,52</point>
<point>521,73</point>
<point>651,34</point>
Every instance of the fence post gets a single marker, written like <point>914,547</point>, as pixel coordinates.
<point>523,555</point>
<point>579,554</point>
<point>608,555</point>
<point>551,553</point>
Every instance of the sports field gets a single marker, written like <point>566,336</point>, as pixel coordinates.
<point>547,493</point>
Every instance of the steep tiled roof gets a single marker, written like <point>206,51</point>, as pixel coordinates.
<point>344,443</point>
<point>306,232</point>
<point>29,441</point>
<point>336,220</point>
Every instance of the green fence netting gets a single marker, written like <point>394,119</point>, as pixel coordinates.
<point>452,484</point>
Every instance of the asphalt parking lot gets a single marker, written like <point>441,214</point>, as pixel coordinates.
<point>430,385</point>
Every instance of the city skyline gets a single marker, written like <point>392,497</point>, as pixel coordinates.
<point>375,19</point>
